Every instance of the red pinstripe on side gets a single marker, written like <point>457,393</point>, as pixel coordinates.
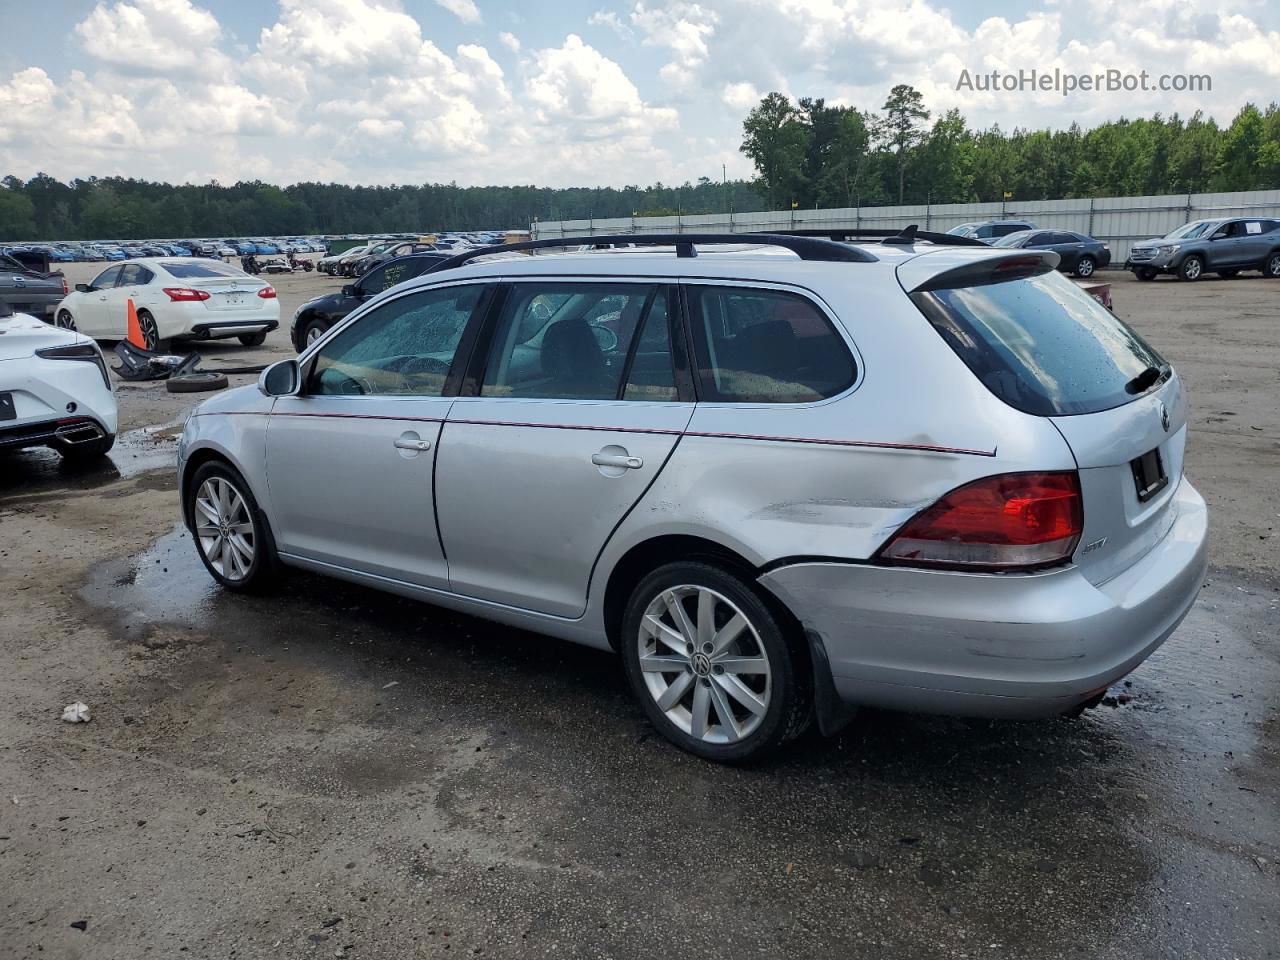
<point>868,444</point>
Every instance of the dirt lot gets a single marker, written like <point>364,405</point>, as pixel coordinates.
<point>334,772</point>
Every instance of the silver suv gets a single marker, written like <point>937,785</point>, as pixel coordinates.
<point>781,479</point>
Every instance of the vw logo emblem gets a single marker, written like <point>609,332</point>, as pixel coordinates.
<point>1164,417</point>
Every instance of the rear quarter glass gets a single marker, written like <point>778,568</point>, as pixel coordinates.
<point>1041,344</point>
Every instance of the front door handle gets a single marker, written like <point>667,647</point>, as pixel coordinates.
<point>406,443</point>
<point>617,460</point>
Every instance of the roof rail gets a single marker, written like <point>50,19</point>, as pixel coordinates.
<point>805,247</point>
<point>903,236</point>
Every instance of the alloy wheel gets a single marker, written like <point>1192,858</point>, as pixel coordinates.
<point>1192,269</point>
<point>1085,267</point>
<point>65,321</point>
<point>314,333</point>
<point>150,333</point>
<point>704,664</point>
<point>224,528</point>
<point>1273,265</point>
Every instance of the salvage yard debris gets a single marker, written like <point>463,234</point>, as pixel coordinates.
<point>76,713</point>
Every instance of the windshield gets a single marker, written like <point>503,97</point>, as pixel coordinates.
<point>203,268</point>
<point>1012,239</point>
<point>1041,344</point>
<point>961,230</point>
<point>1189,231</point>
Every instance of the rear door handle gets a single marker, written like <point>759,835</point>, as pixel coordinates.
<point>405,444</point>
<point>617,460</point>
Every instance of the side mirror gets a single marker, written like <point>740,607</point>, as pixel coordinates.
<point>350,290</point>
<point>281,379</point>
<point>83,288</point>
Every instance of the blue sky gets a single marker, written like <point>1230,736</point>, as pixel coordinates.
<point>574,92</point>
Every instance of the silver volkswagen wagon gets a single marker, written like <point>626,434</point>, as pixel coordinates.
<point>782,478</point>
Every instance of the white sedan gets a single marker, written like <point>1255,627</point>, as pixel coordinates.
<point>190,298</point>
<point>54,389</point>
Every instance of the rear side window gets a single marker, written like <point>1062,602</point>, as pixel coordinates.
<point>1041,344</point>
<point>765,346</point>
<point>578,341</point>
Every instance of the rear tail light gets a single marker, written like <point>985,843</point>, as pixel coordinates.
<point>65,289</point>
<point>177,294</point>
<point>1015,521</point>
<point>267,293</point>
<point>84,352</point>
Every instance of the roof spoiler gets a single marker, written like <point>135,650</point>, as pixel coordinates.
<point>988,270</point>
<point>805,247</point>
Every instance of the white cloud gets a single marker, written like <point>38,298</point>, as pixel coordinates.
<point>740,96</point>
<point>576,86</point>
<point>464,10</point>
<point>608,18</point>
<point>510,41</point>
<point>153,37</point>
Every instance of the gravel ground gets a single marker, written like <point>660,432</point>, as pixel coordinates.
<point>334,772</point>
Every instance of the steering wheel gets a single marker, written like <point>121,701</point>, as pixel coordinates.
<point>425,365</point>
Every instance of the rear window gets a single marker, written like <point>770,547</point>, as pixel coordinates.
<point>1041,344</point>
<point>196,268</point>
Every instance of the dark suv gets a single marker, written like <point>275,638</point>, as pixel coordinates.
<point>1222,246</point>
<point>314,317</point>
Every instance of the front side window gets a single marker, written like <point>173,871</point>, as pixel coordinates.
<point>573,341</point>
<point>766,346</point>
<point>404,347</point>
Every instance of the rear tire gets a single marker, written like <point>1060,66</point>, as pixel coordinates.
<point>1271,266</point>
<point>1191,269</point>
<point>150,331</point>
<point>252,339</point>
<point>64,320</point>
<point>230,532</point>
<point>1085,267</point>
<point>722,692</point>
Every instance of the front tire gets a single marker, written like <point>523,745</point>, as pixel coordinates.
<point>230,532</point>
<point>312,331</point>
<point>1192,268</point>
<point>711,663</point>
<point>1085,267</point>
<point>1145,273</point>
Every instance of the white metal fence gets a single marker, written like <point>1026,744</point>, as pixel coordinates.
<point>1118,220</point>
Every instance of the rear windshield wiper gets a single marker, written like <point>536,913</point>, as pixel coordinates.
<point>1145,379</point>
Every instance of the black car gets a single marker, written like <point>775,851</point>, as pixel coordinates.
<point>1079,253</point>
<point>365,264</point>
<point>316,316</point>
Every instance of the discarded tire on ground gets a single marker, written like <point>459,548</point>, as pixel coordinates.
<point>196,382</point>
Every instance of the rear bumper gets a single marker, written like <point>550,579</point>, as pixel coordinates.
<point>231,328</point>
<point>61,434</point>
<point>996,646</point>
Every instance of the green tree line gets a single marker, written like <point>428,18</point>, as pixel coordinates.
<point>809,154</point>
<point>115,208</point>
